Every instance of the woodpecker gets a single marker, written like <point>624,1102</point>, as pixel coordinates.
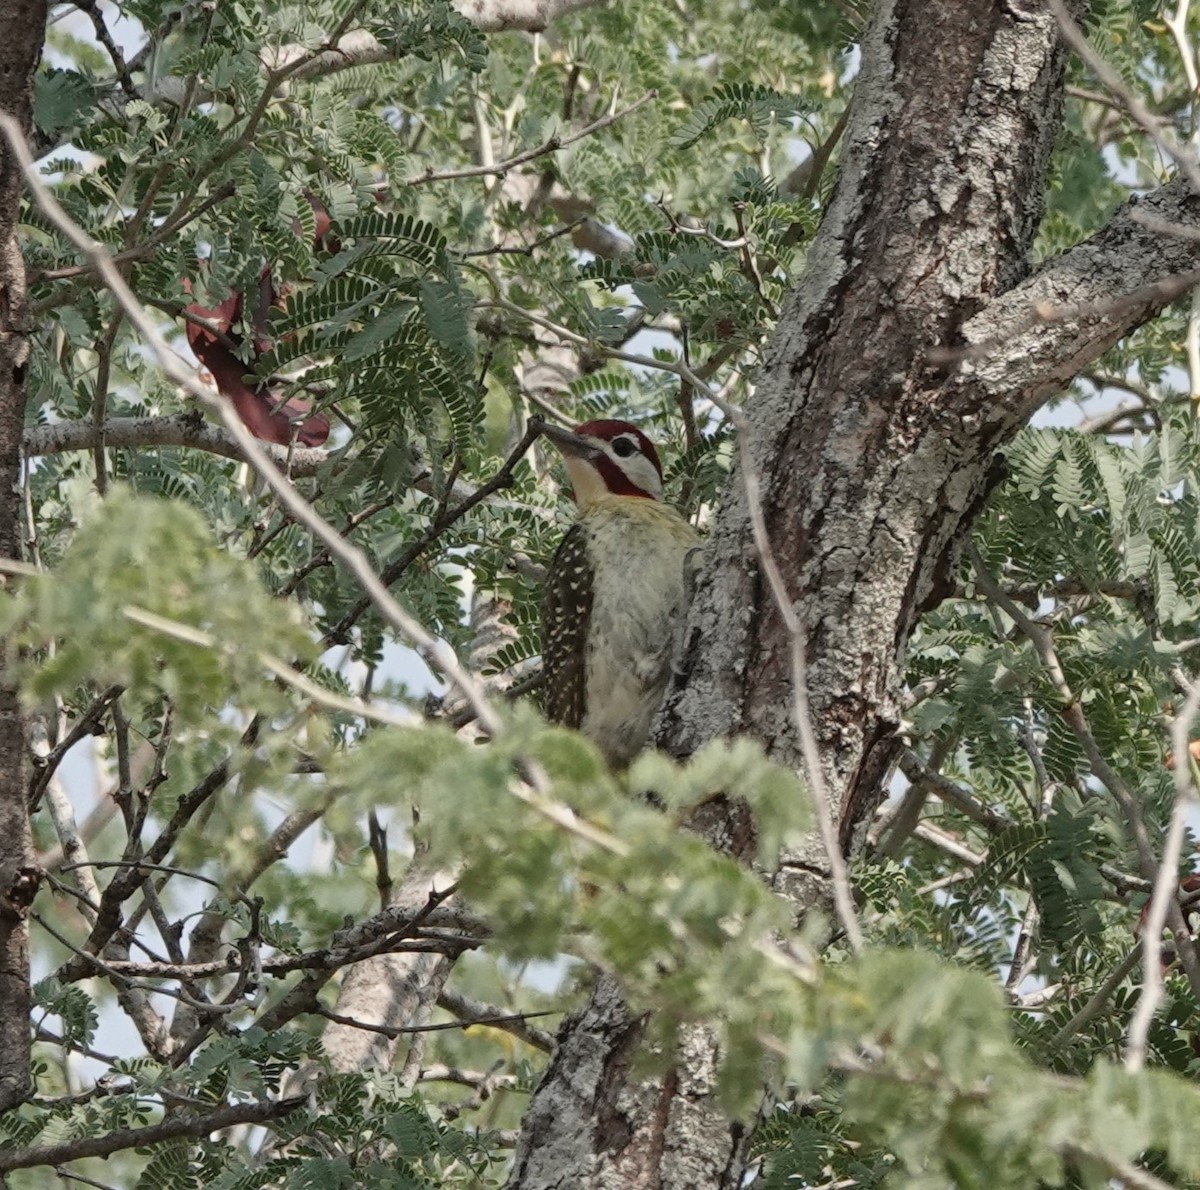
<point>616,589</point>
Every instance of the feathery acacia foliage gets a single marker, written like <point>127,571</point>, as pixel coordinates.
<point>237,690</point>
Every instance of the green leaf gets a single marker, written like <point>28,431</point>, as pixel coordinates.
<point>759,106</point>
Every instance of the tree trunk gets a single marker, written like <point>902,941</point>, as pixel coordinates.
<point>915,345</point>
<point>22,28</point>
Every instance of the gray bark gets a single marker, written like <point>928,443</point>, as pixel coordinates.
<point>591,1126</point>
<point>915,345</point>
<point>392,991</point>
<point>170,429</point>
<point>22,27</point>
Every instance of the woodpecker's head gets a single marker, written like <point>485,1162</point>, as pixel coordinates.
<point>608,458</point>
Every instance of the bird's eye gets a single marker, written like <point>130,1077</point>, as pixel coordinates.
<point>624,447</point>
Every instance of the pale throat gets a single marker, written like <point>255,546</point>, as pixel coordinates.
<point>586,482</point>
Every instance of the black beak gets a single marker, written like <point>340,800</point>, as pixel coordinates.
<point>568,441</point>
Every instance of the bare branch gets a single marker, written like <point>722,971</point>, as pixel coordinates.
<point>1166,882</point>
<point>475,1012</point>
<point>552,145</point>
<point>1041,639</point>
<point>45,766</point>
<point>123,885</point>
<point>105,38</point>
<point>172,429</point>
<point>531,16</point>
<point>961,799</point>
<point>436,649</point>
<point>171,1128</point>
<point>509,1022</point>
<point>485,1082</point>
<point>434,936</point>
<point>377,836</point>
<point>438,525</point>
<point>1183,156</point>
<point>360,48</point>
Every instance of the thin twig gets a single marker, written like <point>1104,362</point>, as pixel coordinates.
<point>385,933</point>
<point>1072,713</point>
<point>1184,157</point>
<point>352,557</point>
<point>67,1175</point>
<point>503,478</point>
<point>62,814</point>
<point>476,1012</point>
<point>161,235</point>
<point>489,1082</point>
<point>1166,883</point>
<point>170,1128</point>
<point>104,350</point>
<point>504,1021</point>
<point>919,773</point>
<point>839,874</point>
<point>46,766</point>
<point>552,145</point>
<point>948,843</point>
<point>527,249</point>
<point>105,38</point>
<point>1039,637</point>
<point>172,18</point>
<point>1022,961</point>
<point>1131,1177</point>
<point>1177,23</point>
<point>1098,999</point>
